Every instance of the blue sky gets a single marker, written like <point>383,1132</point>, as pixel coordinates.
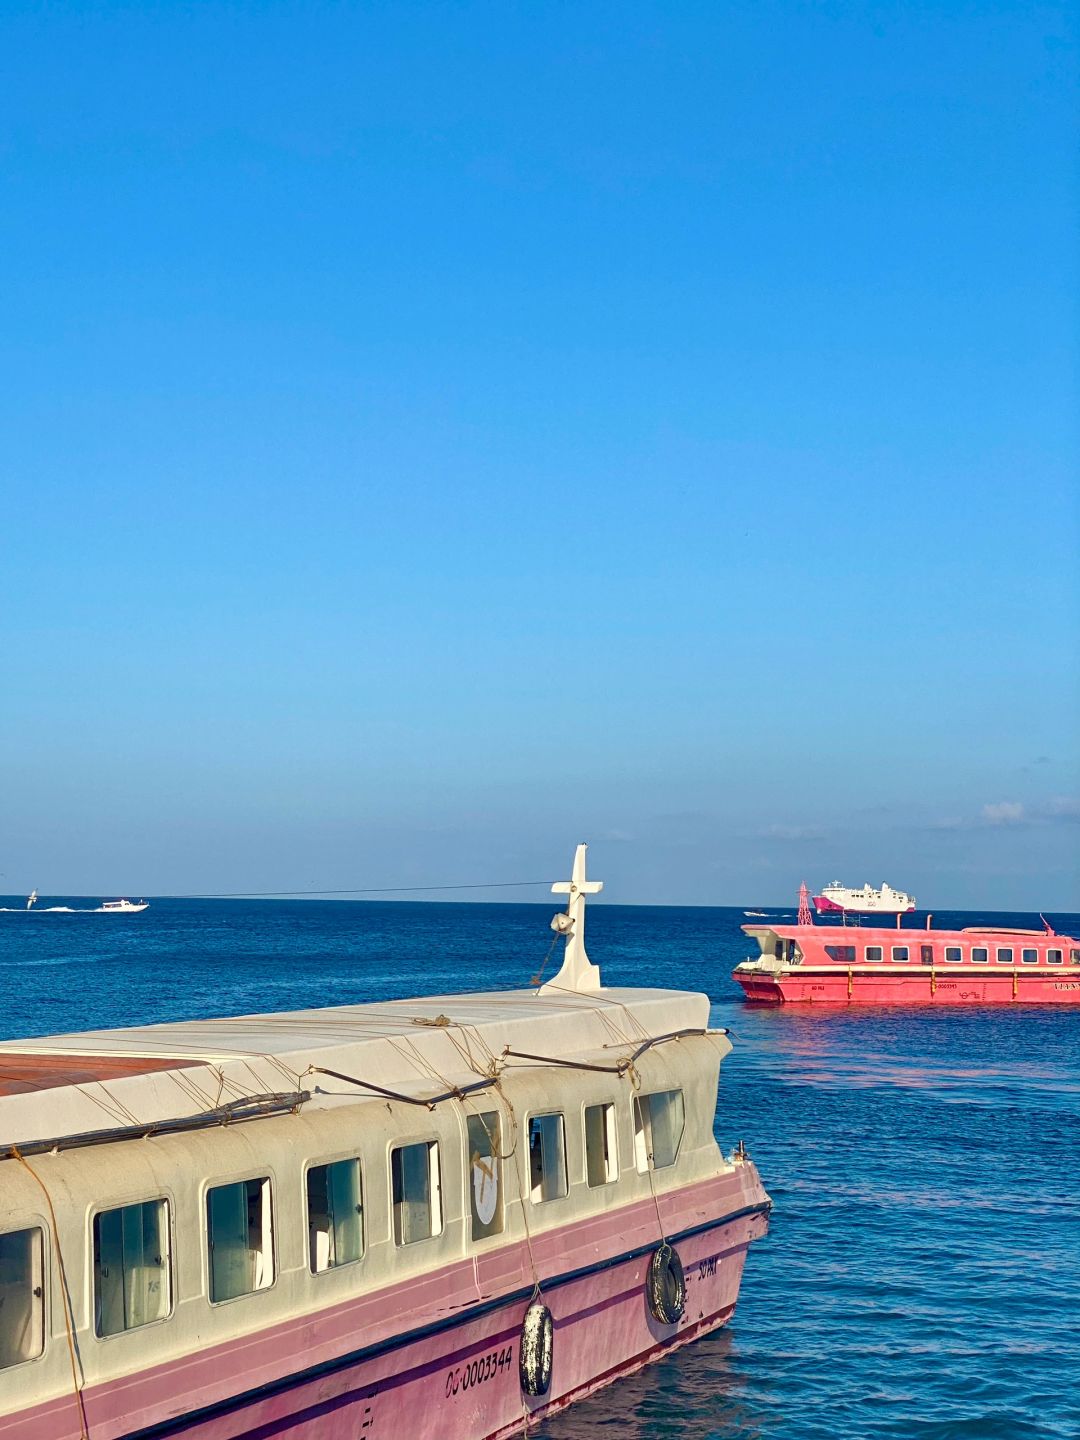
<point>437,433</point>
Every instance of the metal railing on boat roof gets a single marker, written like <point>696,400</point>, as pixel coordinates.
<point>233,1112</point>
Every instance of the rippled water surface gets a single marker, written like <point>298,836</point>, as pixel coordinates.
<point>922,1276</point>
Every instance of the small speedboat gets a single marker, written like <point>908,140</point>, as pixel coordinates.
<point>122,907</point>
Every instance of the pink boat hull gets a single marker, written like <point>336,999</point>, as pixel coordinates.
<point>456,1378</point>
<point>946,988</point>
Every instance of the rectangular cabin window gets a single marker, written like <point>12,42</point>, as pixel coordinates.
<point>335,1215</point>
<point>953,954</point>
<point>547,1157</point>
<point>901,952</point>
<point>659,1121</point>
<point>980,954</point>
<point>485,1175</point>
<point>844,953</point>
<point>417,1192</point>
<point>1053,957</point>
<point>601,1160</point>
<point>926,954</point>
<point>1029,957</point>
<point>873,952</point>
<point>22,1296</point>
<point>240,1236</point>
<point>131,1267</point>
<point>1074,957</point>
<point>1005,955</point>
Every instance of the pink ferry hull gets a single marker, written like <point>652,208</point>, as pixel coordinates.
<point>455,1378</point>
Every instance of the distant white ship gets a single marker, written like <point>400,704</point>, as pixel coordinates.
<point>122,907</point>
<point>867,901</point>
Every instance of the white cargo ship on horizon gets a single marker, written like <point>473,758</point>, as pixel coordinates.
<point>836,898</point>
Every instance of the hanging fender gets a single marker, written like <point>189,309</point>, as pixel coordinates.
<point>535,1350</point>
<point>665,1286</point>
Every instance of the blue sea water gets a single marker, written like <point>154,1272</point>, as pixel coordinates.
<point>921,1280</point>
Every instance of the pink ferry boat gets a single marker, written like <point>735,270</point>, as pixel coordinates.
<point>808,964</point>
<point>431,1219</point>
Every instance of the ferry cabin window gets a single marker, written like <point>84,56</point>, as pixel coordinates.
<point>980,954</point>
<point>1074,957</point>
<point>416,1190</point>
<point>131,1267</point>
<point>926,953</point>
<point>240,1236</point>
<point>843,953</point>
<point>1029,957</point>
<point>547,1157</point>
<point>873,952</point>
<point>1053,957</point>
<point>335,1209</point>
<point>658,1129</point>
<point>900,952</point>
<point>601,1161</point>
<point>1005,955</point>
<point>22,1296</point>
<point>953,954</point>
<point>485,1175</point>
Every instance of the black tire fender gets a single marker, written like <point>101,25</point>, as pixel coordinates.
<point>536,1349</point>
<point>665,1287</point>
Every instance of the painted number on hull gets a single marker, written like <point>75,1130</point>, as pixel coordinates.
<point>707,1267</point>
<point>464,1377</point>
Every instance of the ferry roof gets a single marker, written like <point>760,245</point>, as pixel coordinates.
<point>64,1085</point>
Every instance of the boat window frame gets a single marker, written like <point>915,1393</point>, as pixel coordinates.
<point>903,959</point>
<point>1054,956</point>
<point>166,1198</point>
<point>268,1178</point>
<point>641,1145</point>
<point>847,958</point>
<point>980,954</point>
<point>1029,956</point>
<point>44,1263</point>
<point>610,1124</point>
<point>958,958</point>
<point>543,1199</point>
<point>436,1207</point>
<point>927,950</point>
<point>1009,953</point>
<point>323,1163</point>
<point>493,1231</point>
<point>873,959</point>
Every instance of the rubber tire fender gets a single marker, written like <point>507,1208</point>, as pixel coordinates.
<point>536,1349</point>
<point>665,1287</point>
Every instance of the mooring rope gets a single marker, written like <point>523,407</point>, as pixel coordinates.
<point>69,1319</point>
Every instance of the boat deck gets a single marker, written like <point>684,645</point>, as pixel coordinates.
<point>22,1074</point>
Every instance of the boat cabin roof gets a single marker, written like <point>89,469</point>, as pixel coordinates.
<point>64,1085</point>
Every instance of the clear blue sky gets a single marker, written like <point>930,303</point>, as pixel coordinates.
<point>437,433</point>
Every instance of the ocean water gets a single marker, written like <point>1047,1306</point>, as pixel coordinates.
<point>921,1280</point>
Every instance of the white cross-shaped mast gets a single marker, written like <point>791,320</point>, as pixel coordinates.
<point>577,972</point>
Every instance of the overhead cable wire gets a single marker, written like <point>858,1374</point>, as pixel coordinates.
<point>370,890</point>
